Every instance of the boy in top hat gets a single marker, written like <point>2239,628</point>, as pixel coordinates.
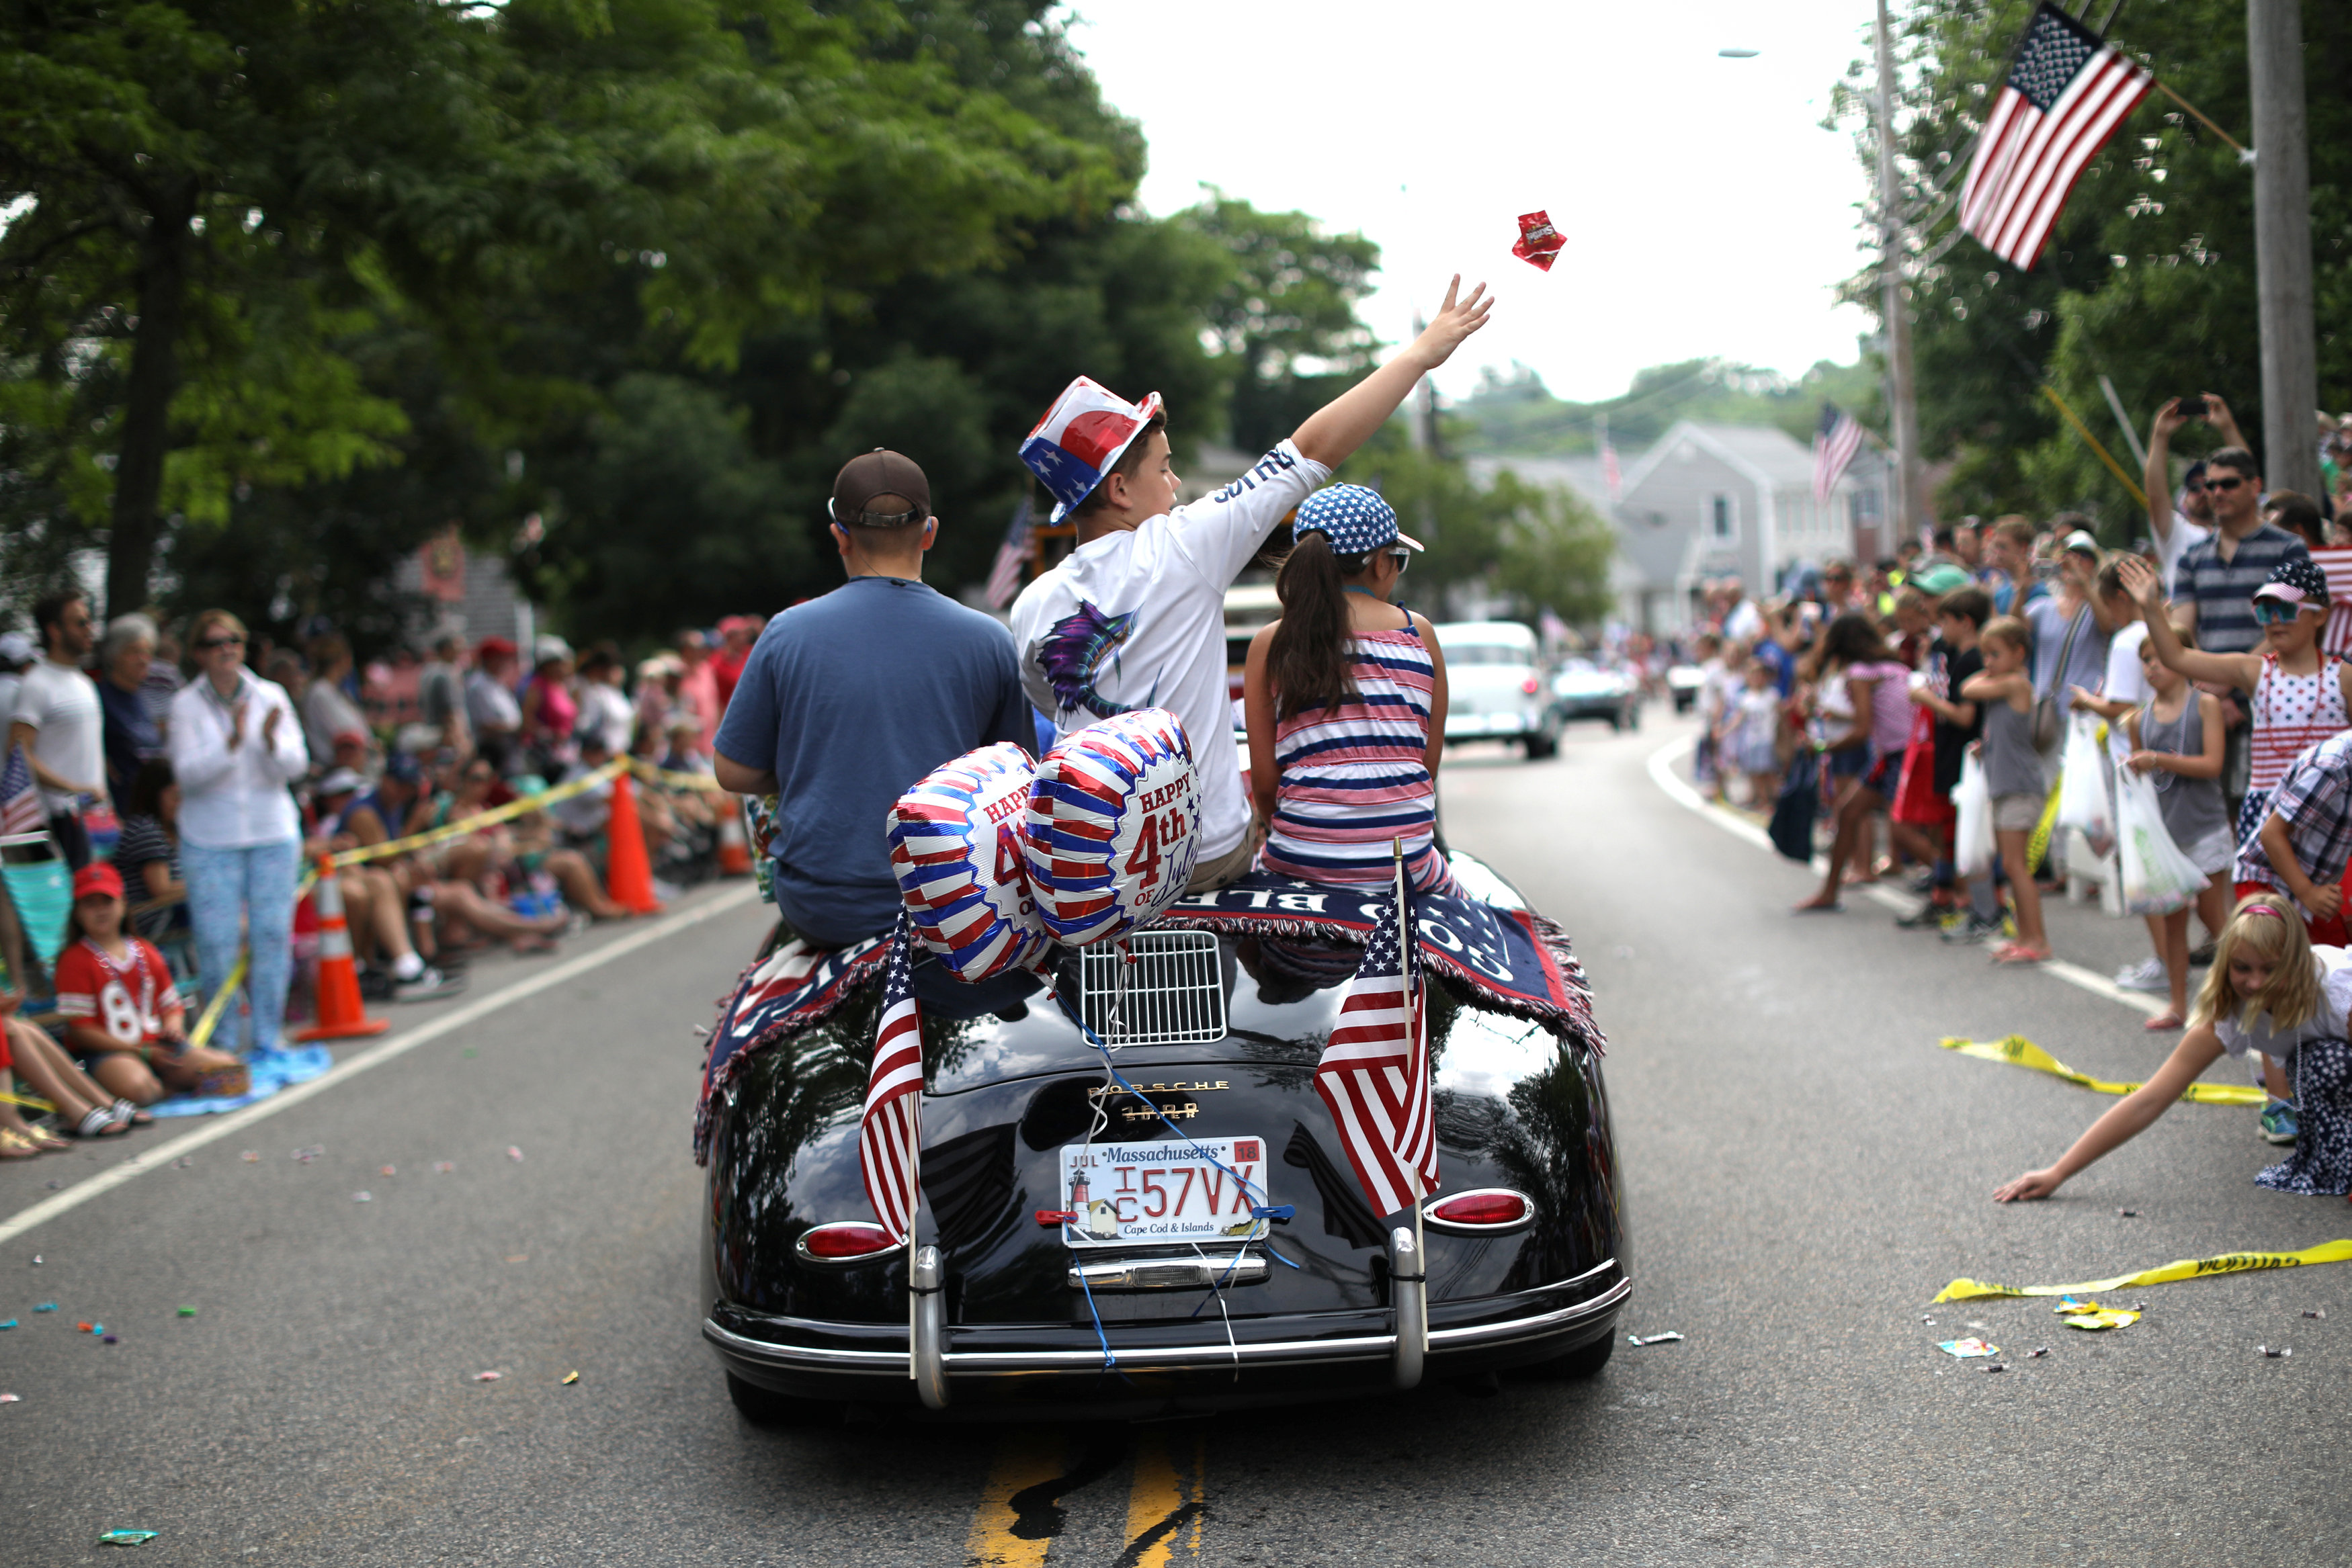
<point>1134,617</point>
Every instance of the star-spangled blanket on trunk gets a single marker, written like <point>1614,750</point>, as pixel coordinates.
<point>782,994</point>
<point>1512,959</point>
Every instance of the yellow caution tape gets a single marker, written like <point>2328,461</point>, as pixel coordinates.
<point>30,1103</point>
<point>2020,1051</point>
<point>2166,1274</point>
<point>2037,848</point>
<point>210,1020</point>
<point>520,807</point>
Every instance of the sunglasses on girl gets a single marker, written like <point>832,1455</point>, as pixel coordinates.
<point>2274,611</point>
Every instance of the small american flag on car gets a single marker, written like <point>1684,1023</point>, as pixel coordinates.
<point>890,1132</point>
<point>2067,91</point>
<point>1374,1074</point>
<point>1834,445</point>
<point>23,821</point>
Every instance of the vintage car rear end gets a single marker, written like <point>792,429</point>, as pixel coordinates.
<point>1166,1292</point>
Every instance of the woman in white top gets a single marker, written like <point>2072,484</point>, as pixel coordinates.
<point>2270,990</point>
<point>236,743</point>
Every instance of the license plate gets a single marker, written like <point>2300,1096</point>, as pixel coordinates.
<point>1166,1190</point>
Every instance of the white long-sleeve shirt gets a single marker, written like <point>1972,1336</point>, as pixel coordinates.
<point>235,798</point>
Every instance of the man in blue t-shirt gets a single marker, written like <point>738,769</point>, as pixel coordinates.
<point>847,700</point>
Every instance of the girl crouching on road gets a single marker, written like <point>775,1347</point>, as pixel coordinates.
<point>2269,990</point>
<point>1345,699</point>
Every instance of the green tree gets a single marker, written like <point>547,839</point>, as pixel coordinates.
<point>1556,552</point>
<point>1285,317</point>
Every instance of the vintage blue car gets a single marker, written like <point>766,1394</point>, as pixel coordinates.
<point>1171,1225</point>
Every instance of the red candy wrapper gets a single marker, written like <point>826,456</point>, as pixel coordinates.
<point>1539,243</point>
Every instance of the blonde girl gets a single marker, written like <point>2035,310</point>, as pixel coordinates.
<point>2269,990</point>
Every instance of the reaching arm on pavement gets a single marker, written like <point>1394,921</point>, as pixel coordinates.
<point>2125,1119</point>
<point>1334,431</point>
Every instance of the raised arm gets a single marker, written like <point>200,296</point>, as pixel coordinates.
<point>2125,1119</point>
<point>1334,431</point>
<point>2239,670</point>
<point>2157,479</point>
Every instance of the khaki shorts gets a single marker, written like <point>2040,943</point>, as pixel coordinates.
<point>1229,868</point>
<point>2016,813</point>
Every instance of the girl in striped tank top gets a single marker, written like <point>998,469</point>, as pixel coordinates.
<point>2298,695</point>
<point>1345,699</point>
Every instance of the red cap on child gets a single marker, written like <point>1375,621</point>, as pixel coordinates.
<point>98,876</point>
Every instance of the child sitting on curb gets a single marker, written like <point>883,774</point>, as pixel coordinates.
<point>2003,692</point>
<point>2268,990</point>
<point>122,1012</point>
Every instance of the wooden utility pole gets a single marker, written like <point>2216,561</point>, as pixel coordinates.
<point>2283,245</point>
<point>1908,506</point>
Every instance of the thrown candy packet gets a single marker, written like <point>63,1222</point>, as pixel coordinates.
<point>1539,243</point>
<point>487,1376</point>
<point>2275,1354</point>
<point>47,1307</point>
<point>11,1399</point>
<point>1670,1337</point>
<point>127,1536</point>
<point>1965,1348</point>
<point>9,1324</point>
<point>251,1156</point>
<point>187,1311</point>
<point>2101,1317</point>
<point>513,1152</point>
<point>570,1378</point>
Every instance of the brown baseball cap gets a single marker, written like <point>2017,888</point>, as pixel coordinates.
<point>880,472</point>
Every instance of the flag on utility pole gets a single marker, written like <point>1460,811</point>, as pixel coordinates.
<point>2067,91</point>
<point>1834,445</point>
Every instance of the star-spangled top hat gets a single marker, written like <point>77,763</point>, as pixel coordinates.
<point>1087,430</point>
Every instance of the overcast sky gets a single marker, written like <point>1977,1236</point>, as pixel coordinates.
<point>1706,212</point>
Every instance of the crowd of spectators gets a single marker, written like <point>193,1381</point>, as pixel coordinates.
<point>1849,707</point>
<point>187,774</point>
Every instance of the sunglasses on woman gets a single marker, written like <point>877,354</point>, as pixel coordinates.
<point>225,640</point>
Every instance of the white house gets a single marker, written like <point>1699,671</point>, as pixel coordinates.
<point>1716,500</point>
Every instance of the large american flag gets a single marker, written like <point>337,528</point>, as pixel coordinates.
<point>1004,576</point>
<point>2065,94</point>
<point>22,819</point>
<point>1834,445</point>
<point>890,1134</point>
<point>1374,1074</point>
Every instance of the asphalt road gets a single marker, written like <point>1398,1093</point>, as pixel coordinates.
<point>1805,1171</point>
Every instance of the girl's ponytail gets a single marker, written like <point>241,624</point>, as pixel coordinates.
<point>1307,664</point>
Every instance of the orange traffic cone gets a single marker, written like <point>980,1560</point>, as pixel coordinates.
<point>735,850</point>
<point>341,1016</point>
<point>628,875</point>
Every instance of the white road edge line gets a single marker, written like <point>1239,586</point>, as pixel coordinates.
<point>221,1127</point>
<point>1661,773</point>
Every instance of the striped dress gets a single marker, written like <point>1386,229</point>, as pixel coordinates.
<point>2287,715</point>
<point>1354,777</point>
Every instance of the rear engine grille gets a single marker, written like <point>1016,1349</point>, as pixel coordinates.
<point>1154,988</point>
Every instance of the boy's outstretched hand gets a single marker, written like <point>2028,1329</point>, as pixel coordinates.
<point>1455,320</point>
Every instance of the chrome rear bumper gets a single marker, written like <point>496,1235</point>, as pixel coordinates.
<point>1291,1340</point>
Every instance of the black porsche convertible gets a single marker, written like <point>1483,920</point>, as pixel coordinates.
<point>1173,1225</point>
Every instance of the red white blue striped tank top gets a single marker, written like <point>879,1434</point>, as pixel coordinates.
<point>1355,777</point>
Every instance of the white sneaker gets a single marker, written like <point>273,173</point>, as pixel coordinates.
<point>2148,975</point>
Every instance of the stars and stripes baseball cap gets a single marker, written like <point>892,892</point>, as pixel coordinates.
<point>1356,520</point>
<point>2296,581</point>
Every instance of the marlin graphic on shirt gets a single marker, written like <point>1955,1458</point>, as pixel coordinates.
<point>1075,651</point>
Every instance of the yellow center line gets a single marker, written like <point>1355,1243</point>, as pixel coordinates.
<point>1165,1505</point>
<point>1028,1457</point>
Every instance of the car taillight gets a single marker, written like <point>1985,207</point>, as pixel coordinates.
<point>1486,1209</point>
<point>1530,685</point>
<point>844,1240</point>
